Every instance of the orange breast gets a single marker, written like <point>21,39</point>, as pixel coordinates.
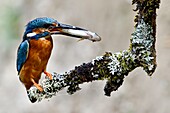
<point>39,53</point>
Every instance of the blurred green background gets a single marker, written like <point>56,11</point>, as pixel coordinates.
<point>113,21</point>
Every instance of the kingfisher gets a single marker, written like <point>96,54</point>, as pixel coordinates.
<point>36,47</point>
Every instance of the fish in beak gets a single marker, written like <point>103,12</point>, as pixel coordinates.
<point>74,31</point>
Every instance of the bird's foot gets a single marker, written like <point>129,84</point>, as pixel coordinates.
<point>48,75</point>
<point>39,87</point>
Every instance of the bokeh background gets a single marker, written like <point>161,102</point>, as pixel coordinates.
<point>113,21</point>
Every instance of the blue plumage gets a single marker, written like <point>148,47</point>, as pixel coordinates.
<point>39,23</point>
<point>22,54</point>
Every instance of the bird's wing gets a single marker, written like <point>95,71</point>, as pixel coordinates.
<point>22,54</point>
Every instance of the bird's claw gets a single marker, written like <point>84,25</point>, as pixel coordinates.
<point>48,75</point>
<point>39,87</point>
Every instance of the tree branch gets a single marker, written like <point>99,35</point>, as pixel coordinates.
<point>113,67</point>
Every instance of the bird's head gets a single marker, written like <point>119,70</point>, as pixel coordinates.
<point>45,27</point>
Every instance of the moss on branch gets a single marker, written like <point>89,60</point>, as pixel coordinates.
<point>112,67</point>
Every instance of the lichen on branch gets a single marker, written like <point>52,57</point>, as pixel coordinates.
<point>112,67</point>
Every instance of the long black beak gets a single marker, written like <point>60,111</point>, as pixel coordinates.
<point>76,32</point>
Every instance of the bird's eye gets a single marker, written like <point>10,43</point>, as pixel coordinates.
<point>49,26</point>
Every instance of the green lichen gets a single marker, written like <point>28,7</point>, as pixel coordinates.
<point>146,9</point>
<point>142,47</point>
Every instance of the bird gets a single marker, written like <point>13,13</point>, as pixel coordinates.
<point>36,46</point>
